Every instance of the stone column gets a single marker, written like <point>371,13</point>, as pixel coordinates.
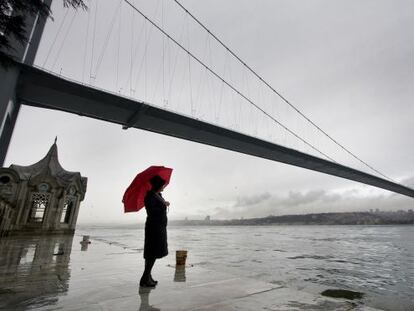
<point>59,211</point>
<point>21,204</point>
<point>50,211</point>
<point>3,211</point>
<point>75,213</point>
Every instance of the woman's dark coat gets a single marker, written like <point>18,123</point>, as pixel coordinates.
<point>156,226</point>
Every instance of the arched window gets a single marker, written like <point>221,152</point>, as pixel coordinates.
<point>68,208</point>
<point>39,204</point>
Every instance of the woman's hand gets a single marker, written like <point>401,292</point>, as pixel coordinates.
<point>167,203</point>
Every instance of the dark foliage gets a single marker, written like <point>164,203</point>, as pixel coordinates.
<point>12,25</point>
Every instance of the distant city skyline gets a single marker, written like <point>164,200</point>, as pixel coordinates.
<point>400,217</point>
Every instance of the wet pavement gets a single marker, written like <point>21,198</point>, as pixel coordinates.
<point>61,273</point>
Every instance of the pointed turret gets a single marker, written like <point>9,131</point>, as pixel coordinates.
<point>50,165</point>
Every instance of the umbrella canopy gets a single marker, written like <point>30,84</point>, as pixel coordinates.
<point>134,195</point>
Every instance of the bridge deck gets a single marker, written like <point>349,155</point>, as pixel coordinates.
<point>42,89</point>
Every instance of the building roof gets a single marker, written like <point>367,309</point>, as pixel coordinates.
<point>50,165</point>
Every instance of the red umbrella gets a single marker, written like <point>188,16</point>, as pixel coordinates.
<point>134,195</point>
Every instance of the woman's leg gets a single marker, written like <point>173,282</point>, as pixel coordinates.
<point>146,276</point>
<point>149,263</point>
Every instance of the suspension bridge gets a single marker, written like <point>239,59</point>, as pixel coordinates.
<point>139,69</point>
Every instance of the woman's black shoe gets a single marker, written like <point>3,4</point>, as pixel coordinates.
<point>153,281</point>
<point>147,283</point>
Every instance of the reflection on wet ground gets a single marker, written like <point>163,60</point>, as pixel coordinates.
<point>33,271</point>
<point>179,275</point>
<point>144,294</point>
<point>84,246</point>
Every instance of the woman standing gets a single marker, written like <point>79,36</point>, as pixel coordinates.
<point>155,229</point>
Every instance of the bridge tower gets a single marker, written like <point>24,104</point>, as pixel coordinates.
<point>9,105</point>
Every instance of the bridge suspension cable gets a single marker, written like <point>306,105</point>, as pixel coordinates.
<point>277,92</point>
<point>224,81</point>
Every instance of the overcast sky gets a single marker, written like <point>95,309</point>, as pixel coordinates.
<point>348,65</point>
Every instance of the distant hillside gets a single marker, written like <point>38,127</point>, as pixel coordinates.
<point>351,218</point>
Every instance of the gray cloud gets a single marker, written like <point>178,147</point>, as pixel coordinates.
<point>252,200</point>
<point>297,199</point>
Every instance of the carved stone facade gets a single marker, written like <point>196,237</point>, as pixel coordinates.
<point>42,198</point>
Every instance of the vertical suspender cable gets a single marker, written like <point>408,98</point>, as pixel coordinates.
<point>131,64</point>
<point>64,40</point>
<point>93,41</point>
<point>119,45</point>
<point>56,36</point>
<point>85,53</point>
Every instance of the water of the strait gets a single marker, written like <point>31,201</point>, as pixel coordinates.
<point>375,260</point>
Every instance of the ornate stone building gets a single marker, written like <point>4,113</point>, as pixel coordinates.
<point>42,198</point>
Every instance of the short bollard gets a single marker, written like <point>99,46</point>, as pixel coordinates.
<point>86,239</point>
<point>180,257</point>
